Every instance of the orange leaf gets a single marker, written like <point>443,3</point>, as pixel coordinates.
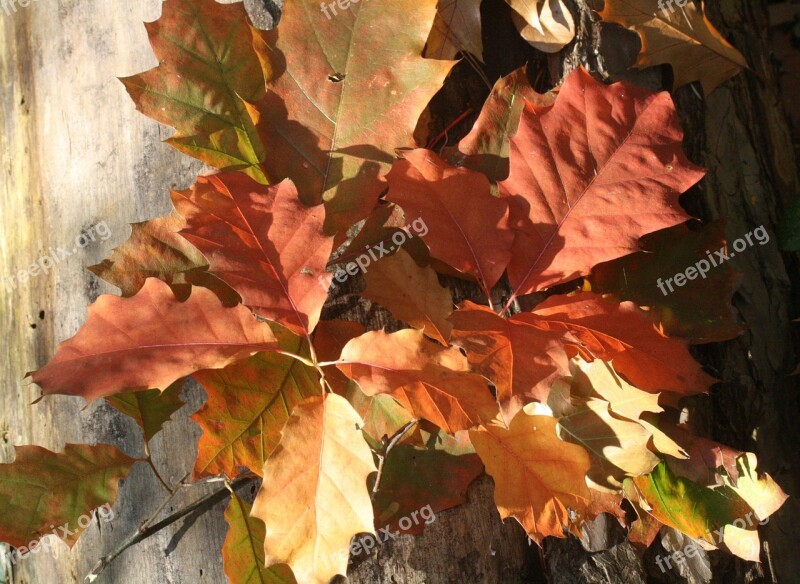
<point>538,478</point>
<point>430,381</point>
<point>150,340</point>
<point>468,228</point>
<point>521,360</point>
<point>579,174</point>
<point>263,242</point>
<point>624,335</point>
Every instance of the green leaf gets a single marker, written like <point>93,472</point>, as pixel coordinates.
<point>208,70</point>
<point>150,409</point>
<point>42,490</point>
<point>248,405</point>
<point>243,550</point>
<point>688,507</point>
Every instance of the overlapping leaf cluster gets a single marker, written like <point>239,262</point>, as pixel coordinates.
<point>563,403</point>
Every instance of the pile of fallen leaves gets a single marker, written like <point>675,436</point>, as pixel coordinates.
<point>570,198</point>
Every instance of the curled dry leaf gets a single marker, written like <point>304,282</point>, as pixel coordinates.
<point>546,24</point>
<point>314,498</point>
<point>456,29</point>
<point>150,340</point>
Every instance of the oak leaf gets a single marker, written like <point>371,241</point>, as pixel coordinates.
<point>248,404</point>
<point>150,409</point>
<point>456,29</point>
<point>243,550</point>
<point>468,228</point>
<point>578,171</point>
<point>486,147</point>
<point>42,489</point>
<point>430,381</point>
<point>411,293</point>
<point>681,36</point>
<point>683,311</point>
<point>623,334</point>
<point>546,24</point>
<point>349,98</point>
<point>263,242</point>
<point>521,360</point>
<point>150,340</point>
<point>207,70</point>
<point>314,498</point>
<point>539,479</point>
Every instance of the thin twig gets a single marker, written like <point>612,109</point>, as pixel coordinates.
<point>399,435</point>
<point>144,532</point>
<point>158,474</point>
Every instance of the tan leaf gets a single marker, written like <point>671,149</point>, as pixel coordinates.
<point>681,36</point>
<point>456,28</point>
<point>412,294</point>
<point>546,24</point>
<point>314,498</point>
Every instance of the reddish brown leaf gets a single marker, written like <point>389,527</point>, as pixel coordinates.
<point>579,174</point>
<point>468,228</point>
<point>430,381</point>
<point>624,335</point>
<point>150,340</point>
<point>263,242</point>
<point>521,360</point>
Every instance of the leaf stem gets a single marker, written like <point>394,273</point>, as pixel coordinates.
<point>158,474</point>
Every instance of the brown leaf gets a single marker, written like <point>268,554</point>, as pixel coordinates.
<point>468,228</point>
<point>546,24</point>
<point>456,29</point>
